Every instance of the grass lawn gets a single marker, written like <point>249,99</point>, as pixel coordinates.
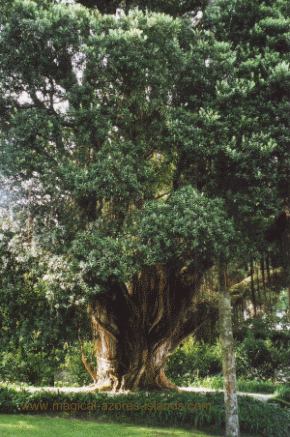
<point>35,426</point>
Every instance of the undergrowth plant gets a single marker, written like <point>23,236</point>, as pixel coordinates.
<point>153,408</point>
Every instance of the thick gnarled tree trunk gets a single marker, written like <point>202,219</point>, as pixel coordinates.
<point>137,330</point>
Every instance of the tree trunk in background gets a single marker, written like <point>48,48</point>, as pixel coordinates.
<point>253,289</point>
<point>137,330</point>
<point>286,254</point>
<point>268,269</point>
<point>264,283</point>
<point>229,368</point>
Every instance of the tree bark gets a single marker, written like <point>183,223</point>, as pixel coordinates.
<point>264,283</point>
<point>253,289</point>
<point>229,369</point>
<point>286,253</point>
<point>137,330</point>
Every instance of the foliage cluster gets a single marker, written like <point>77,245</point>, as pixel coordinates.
<point>194,360</point>
<point>283,392</point>
<point>263,349</point>
<point>25,364</point>
<point>72,369</point>
<point>31,348</point>
<point>145,121</point>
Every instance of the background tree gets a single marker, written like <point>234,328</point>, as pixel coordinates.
<point>250,105</point>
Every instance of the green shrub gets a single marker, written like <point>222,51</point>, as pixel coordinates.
<point>259,352</point>
<point>215,382</point>
<point>73,369</point>
<point>262,351</point>
<point>283,392</point>
<point>259,359</point>
<point>266,387</point>
<point>26,364</point>
<point>194,360</point>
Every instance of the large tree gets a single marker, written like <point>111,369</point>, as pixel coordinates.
<point>87,103</point>
<point>127,128</point>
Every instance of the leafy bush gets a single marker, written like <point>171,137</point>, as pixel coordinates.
<point>262,350</point>
<point>257,358</point>
<point>61,367</point>
<point>194,360</point>
<point>73,370</point>
<point>283,392</point>
<point>24,363</point>
<point>255,386</point>
<point>215,382</point>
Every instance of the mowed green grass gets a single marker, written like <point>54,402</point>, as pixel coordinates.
<point>35,426</point>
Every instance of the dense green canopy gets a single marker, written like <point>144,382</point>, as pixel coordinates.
<point>93,109</point>
<point>107,114</point>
